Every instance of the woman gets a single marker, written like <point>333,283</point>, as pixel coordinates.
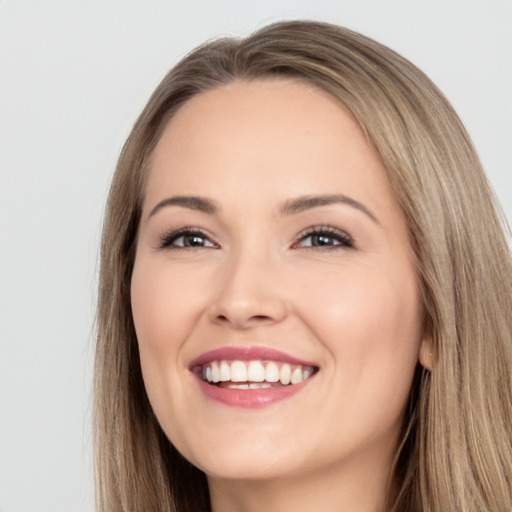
<point>305,291</point>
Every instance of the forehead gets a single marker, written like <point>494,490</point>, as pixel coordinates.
<point>266,138</point>
<point>270,108</point>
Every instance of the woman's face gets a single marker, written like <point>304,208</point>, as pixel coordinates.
<point>274,292</point>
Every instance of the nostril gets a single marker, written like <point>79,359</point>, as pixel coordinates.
<point>243,314</point>
<point>243,322</point>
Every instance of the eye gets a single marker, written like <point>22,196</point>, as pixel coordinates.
<point>324,237</point>
<point>185,239</point>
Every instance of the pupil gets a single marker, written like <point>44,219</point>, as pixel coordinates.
<point>322,240</point>
<point>193,241</point>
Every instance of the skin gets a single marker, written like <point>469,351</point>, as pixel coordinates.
<point>354,311</point>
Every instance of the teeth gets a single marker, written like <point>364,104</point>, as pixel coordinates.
<point>215,372</point>
<point>238,371</point>
<point>296,376</point>
<point>224,372</point>
<point>306,373</point>
<point>238,386</point>
<point>255,374</point>
<point>271,372</point>
<point>285,374</point>
<point>260,385</point>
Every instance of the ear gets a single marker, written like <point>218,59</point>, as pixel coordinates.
<point>426,356</point>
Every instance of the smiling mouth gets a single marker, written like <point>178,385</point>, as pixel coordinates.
<point>254,374</point>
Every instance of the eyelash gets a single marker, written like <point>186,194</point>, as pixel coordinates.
<point>341,239</point>
<point>167,240</point>
<point>345,241</point>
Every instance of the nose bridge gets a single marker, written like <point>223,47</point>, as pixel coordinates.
<point>248,289</point>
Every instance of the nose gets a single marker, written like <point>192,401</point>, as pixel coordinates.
<point>249,295</point>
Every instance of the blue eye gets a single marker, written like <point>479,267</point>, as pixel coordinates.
<point>184,239</point>
<point>327,237</point>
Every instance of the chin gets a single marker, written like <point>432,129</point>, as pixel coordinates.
<point>246,459</point>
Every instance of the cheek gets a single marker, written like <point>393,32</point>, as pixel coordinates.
<point>370,324</point>
<point>165,307</point>
<point>163,316</point>
<point>370,321</point>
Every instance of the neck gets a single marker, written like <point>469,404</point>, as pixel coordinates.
<point>358,489</point>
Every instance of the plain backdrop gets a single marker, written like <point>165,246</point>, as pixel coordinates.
<point>73,77</point>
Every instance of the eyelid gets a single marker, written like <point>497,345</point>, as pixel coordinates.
<point>169,236</point>
<point>347,242</point>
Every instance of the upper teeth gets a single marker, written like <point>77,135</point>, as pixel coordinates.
<point>255,371</point>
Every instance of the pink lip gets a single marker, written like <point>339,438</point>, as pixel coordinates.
<point>247,398</point>
<point>250,398</point>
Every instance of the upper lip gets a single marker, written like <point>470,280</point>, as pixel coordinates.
<point>248,353</point>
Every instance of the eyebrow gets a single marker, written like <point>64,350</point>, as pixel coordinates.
<point>291,207</point>
<point>200,204</point>
<point>303,203</point>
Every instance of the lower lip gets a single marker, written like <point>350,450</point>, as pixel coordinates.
<point>250,398</point>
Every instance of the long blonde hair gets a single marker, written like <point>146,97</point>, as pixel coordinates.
<point>456,451</point>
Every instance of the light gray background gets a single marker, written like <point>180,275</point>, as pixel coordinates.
<point>73,77</point>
